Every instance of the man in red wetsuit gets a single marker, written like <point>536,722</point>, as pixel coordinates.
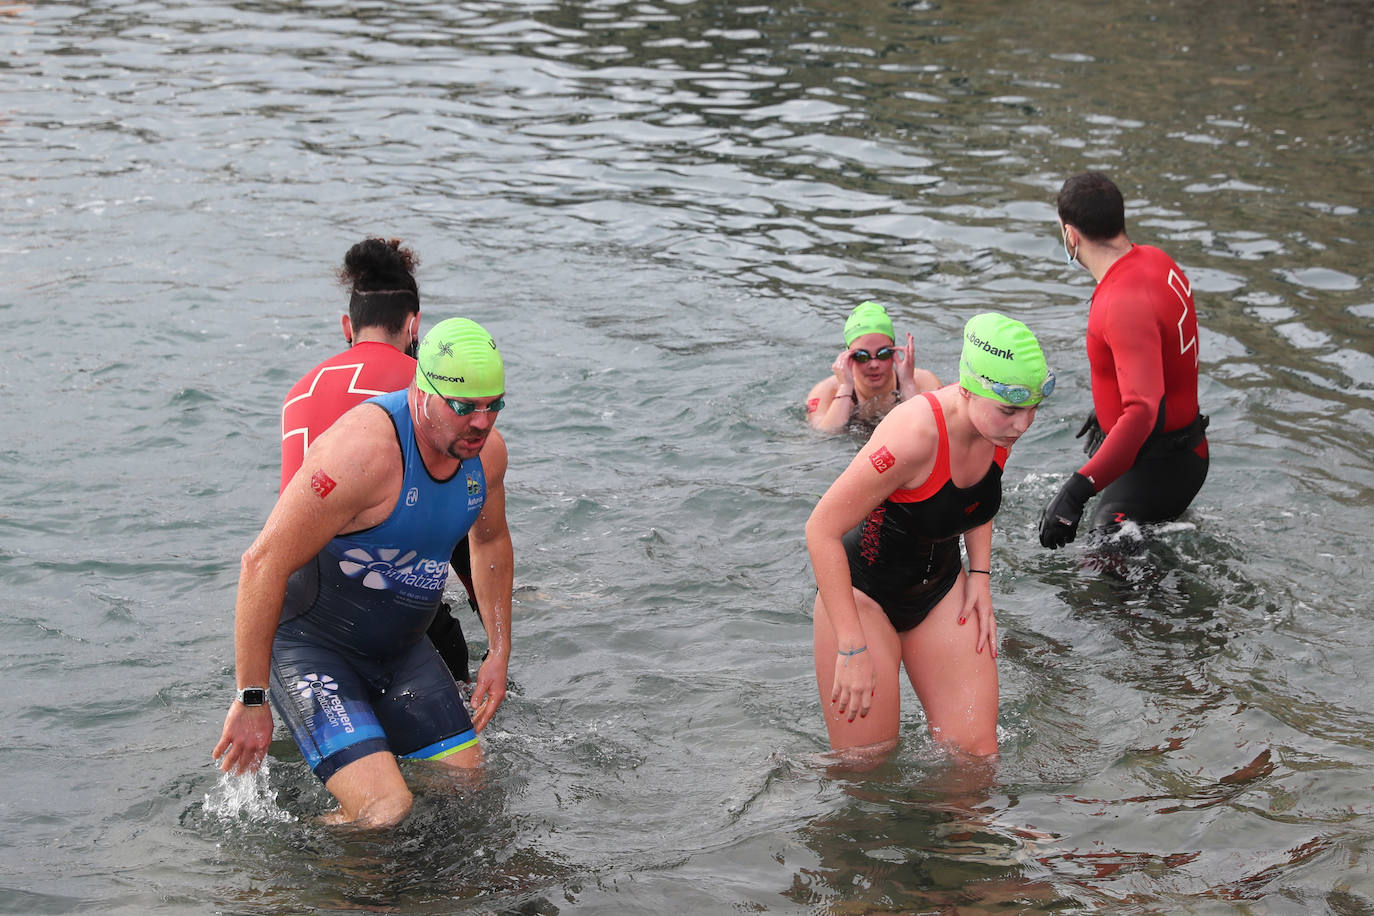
<point>1148,446</point>
<point>382,328</point>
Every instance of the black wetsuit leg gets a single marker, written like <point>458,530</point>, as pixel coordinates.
<point>1157,488</point>
<point>446,632</point>
<point>461,566</point>
<point>447,635</point>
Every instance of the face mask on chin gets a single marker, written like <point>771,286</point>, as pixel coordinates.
<point>413,348</point>
<point>1071,257</point>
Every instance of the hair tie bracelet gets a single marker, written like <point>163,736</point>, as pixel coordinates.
<point>986,572</point>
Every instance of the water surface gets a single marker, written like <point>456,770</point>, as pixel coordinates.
<point>664,211</point>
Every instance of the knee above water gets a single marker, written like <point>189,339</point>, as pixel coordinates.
<point>387,810</point>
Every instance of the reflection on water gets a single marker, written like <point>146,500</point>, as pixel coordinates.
<point>911,840</point>
<point>666,209</point>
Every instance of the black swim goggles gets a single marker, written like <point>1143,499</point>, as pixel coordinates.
<point>863,356</point>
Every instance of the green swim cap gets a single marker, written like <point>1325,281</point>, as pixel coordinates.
<point>1003,361</point>
<point>459,359</point>
<point>867,318</point>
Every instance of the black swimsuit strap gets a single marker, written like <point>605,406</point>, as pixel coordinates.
<point>854,397</point>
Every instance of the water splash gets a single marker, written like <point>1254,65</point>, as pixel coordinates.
<point>248,797</point>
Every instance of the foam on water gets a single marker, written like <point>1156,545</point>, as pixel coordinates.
<point>246,798</point>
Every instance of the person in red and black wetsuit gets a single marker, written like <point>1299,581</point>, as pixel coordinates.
<point>381,328</point>
<point>1147,442</point>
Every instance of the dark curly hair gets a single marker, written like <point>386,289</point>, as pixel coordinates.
<point>373,265</point>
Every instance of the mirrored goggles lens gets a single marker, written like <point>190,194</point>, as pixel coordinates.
<point>463,408</point>
<point>863,356</point>
<point>1019,394</point>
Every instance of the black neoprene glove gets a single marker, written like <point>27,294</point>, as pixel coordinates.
<point>1093,430</point>
<point>1059,521</point>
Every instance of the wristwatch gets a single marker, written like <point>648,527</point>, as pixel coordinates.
<point>252,696</point>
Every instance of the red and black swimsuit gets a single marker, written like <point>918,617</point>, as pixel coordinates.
<point>905,554</point>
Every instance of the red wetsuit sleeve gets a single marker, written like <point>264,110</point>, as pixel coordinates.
<point>1142,351</point>
<point>1131,335</point>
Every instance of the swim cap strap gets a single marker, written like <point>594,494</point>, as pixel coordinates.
<point>384,299</point>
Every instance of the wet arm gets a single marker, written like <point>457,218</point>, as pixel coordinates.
<point>892,456</point>
<point>493,578</point>
<point>898,451</point>
<point>829,405</point>
<point>978,588</point>
<point>335,486</point>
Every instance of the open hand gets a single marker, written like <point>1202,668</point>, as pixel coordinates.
<point>489,690</point>
<point>243,743</point>
<point>855,682</point>
<point>978,603</point>
<point>843,368</point>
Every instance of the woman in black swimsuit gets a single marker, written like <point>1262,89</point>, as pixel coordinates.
<point>884,545</point>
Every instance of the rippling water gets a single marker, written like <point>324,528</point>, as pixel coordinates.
<point>664,210</point>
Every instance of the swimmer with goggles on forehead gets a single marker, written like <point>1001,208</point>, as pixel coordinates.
<point>870,376</point>
<point>1018,394</point>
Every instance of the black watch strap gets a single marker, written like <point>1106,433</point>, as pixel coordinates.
<point>252,696</point>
